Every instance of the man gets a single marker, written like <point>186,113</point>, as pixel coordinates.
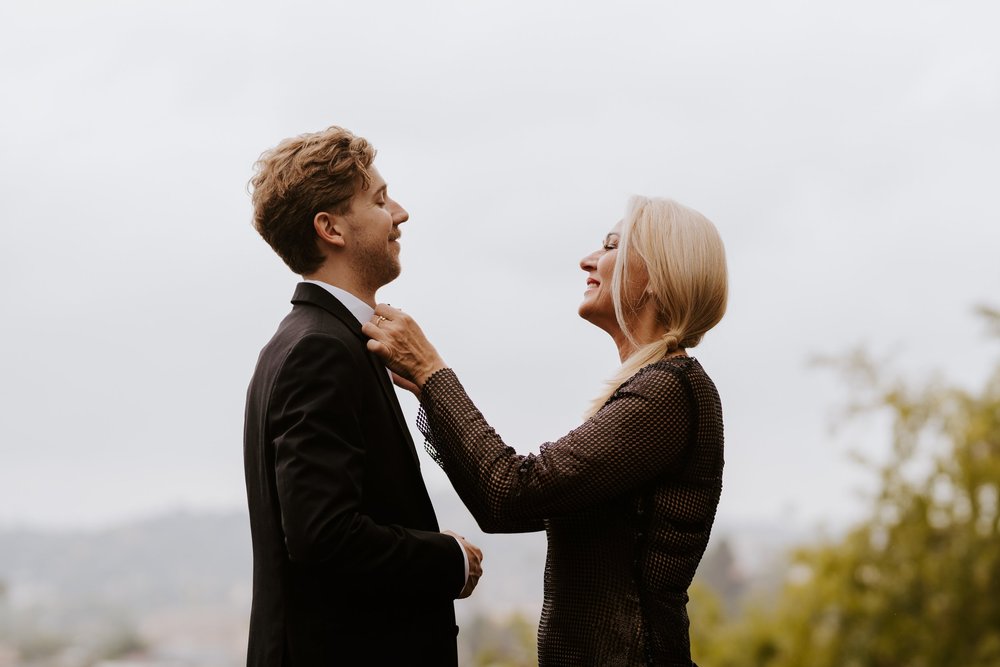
<point>349,565</point>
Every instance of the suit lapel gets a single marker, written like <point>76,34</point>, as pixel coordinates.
<point>390,395</point>
<point>316,295</point>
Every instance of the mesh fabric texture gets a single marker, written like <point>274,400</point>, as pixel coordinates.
<point>627,500</point>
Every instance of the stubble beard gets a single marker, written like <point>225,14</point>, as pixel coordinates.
<point>377,268</point>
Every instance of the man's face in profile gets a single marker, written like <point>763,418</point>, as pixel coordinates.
<point>372,232</point>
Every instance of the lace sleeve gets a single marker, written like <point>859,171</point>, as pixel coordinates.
<point>640,433</point>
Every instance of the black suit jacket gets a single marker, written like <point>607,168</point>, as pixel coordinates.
<point>349,566</point>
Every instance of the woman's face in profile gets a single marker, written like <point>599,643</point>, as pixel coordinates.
<point>597,306</point>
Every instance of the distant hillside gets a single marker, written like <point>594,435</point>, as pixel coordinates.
<point>180,558</point>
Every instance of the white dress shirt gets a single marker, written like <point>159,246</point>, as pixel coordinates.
<point>363,312</point>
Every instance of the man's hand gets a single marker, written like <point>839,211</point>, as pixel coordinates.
<point>475,556</point>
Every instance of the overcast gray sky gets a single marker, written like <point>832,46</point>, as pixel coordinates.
<point>847,151</point>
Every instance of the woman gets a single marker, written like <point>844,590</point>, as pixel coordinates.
<point>628,498</point>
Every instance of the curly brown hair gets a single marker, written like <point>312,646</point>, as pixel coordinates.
<point>301,177</point>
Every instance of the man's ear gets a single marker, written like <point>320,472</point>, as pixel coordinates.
<point>329,228</point>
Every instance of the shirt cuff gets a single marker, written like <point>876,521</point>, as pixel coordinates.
<point>465,557</point>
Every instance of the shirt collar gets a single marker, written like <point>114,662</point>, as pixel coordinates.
<point>361,310</point>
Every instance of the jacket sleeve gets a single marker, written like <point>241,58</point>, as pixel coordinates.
<point>642,432</point>
<point>319,468</point>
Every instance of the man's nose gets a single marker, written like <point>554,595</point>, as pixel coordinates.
<point>399,214</point>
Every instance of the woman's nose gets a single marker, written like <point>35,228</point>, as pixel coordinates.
<point>589,263</point>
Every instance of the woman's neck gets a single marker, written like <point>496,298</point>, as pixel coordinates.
<point>645,330</point>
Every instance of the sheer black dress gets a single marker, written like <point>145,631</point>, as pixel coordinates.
<point>627,500</point>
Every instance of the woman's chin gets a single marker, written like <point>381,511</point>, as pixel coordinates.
<point>588,312</point>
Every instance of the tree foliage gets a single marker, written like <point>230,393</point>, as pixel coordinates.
<point>916,584</point>
<point>499,642</point>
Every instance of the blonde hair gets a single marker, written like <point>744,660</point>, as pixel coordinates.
<point>686,263</point>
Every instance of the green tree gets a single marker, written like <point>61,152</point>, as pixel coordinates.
<point>917,584</point>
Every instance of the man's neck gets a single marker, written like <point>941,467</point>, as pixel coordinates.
<point>344,282</point>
